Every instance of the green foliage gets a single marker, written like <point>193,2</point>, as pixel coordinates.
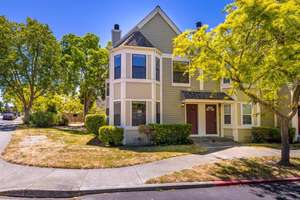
<point>169,134</point>
<point>87,66</point>
<point>62,120</point>
<point>29,61</point>
<point>111,135</point>
<point>43,119</point>
<point>93,122</point>
<point>269,135</point>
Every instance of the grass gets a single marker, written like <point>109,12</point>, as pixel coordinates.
<point>273,145</point>
<point>74,149</point>
<point>237,169</point>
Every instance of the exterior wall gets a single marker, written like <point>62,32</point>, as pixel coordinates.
<point>228,133</point>
<point>117,90</point>
<point>173,111</point>
<point>133,137</point>
<point>244,135</point>
<point>267,117</point>
<point>157,90</point>
<point>138,90</point>
<point>159,33</point>
<point>211,85</point>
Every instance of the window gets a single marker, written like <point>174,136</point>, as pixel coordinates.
<point>179,72</point>
<point>138,113</point>
<point>227,114</point>
<point>158,112</point>
<point>157,69</point>
<point>117,113</point>
<point>117,66</point>
<point>107,89</point>
<point>246,114</point>
<point>226,81</point>
<point>138,66</point>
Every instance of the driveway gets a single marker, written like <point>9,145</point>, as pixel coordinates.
<point>15,177</point>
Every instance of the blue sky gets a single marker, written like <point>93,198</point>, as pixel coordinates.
<point>98,16</point>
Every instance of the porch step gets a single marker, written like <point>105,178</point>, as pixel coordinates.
<point>214,142</point>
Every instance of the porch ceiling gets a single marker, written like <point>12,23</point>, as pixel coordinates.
<point>205,95</point>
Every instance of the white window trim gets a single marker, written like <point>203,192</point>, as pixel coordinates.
<point>242,114</point>
<point>146,112</point>
<point>179,84</point>
<point>146,67</point>
<point>227,125</point>
<point>225,85</point>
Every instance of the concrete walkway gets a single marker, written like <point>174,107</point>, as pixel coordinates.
<point>15,177</point>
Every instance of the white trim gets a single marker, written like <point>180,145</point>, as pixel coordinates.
<point>242,114</point>
<point>201,81</point>
<point>161,89</point>
<point>172,79</point>
<point>223,115</point>
<point>132,99</point>
<point>295,124</point>
<point>207,101</point>
<point>225,85</point>
<point>258,115</point>
<point>218,120</point>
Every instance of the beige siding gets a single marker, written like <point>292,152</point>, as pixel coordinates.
<point>159,33</point>
<point>128,113</point>
<point>239,113</point>
<point>138,90</point>
<point>173,111</point>
<point>228,132</point>
<point>157,88</point>
<point>117,91</point>
<point>267,117</point>
<point>149,112</point>
<point>211,85</point>
<point>244,135</point>
<point>128,65</point>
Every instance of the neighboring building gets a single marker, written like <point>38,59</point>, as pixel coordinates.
<point>148,85</point>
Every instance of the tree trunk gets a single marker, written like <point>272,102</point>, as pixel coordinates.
<point>285,144</point>
<point>26,115</point>
<point>86,106</point>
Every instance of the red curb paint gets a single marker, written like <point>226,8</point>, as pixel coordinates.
<point>241,182</point>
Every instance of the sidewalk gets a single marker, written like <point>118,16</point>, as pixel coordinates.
<point>17,177</point>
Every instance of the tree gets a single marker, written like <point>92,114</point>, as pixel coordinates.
<point>87,66</point>
<point>29,61</point>
<point>258,48</point>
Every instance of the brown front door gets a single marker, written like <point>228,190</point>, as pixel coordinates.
<point>211,119</point>
<point>192,117</point>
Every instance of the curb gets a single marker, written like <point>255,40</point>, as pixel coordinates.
<point>147,187</point>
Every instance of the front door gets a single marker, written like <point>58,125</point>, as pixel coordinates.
<point>192,117</point>
<point>211,119</point>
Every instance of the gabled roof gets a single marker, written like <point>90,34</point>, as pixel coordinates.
<point>137,39</point>
<point>144,21</point>
<point>205,95</point>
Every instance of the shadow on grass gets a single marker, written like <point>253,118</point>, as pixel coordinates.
<point>252,169</point>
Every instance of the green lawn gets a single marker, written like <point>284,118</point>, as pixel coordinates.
<point>74,149</point>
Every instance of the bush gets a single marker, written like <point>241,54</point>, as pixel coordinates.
<point>43,119</point>
<point>169,134</point>
<point>93,122</point>
<point>111,135</point>
<point>62,120</point>
<point>269,134</point>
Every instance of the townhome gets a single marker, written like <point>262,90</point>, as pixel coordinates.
<point>147,84</point>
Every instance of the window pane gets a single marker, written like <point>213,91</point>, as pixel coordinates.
<point>138,113</point>
<point>226,80</point>
<point>227,119</point>
<point>247,119</point>
<point>138,66</point>
<point>157,69</point>
<point>227,109</point>
<point>117,66</point>
<point>247,109</point>
<point>157,112</point>
<point>117,113</point>
<point>179,72</point>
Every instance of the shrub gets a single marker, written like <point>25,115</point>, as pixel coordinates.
<point>43,119</point>
<point>169,134</point>
<point>93,122</point>
<point>269,134</point>
<point>111,135</point>
<point>62,120</point>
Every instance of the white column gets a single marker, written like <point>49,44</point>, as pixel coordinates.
<point>153,87</point>
<point>235,121</point>
<point>123,89</point>
<point>295,125</point>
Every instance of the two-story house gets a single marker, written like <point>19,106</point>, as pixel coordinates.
<point>147,84</point>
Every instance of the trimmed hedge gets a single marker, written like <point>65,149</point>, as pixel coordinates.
<point>169,134</point>
<point>269,134</point>
<point>111,135</point>
<point>43,119</point>
<point>93,122</point>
